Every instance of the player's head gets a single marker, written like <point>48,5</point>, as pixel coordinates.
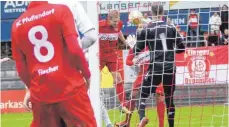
<point>225,7</point>
<point>157,11</point>
<point>192,11</point>
<point>113,18</point>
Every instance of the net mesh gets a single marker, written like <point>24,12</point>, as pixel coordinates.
<point>201,94</point>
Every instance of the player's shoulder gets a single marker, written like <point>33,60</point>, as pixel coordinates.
<point>103,22</point>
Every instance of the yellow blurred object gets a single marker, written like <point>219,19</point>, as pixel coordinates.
<point>171,3</point>
<point>107,79</point>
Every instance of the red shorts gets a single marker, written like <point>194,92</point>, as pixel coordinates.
<point>113,66</point>
<point>75,112</point>
<point>113,61</point>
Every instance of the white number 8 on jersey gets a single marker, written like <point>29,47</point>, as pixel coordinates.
<point>43,42</point>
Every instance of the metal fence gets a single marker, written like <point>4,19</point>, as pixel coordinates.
<point>183,96</point>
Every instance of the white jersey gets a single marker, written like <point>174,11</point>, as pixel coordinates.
<point>82,22</point>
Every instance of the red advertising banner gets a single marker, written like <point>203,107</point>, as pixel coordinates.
<point>205,65</point>
<point>12,101</point>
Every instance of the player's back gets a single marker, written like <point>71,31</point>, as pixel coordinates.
<point>39,34</point>
<point>161,40</point>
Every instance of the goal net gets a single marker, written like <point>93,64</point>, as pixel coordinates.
<point>201,77</point>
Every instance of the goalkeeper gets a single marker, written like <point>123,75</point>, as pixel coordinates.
<point>142,60</point>
<point>161,41</point>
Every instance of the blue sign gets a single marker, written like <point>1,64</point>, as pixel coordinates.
<point>12,9</point>
<point>6,26</point>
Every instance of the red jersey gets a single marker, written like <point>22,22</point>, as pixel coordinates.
<point>38,40</point>
<point>108,40</point>
<point>193,21</point>
<point>142,58</point>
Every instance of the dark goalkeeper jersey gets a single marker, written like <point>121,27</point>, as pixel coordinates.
<point>163,42</point>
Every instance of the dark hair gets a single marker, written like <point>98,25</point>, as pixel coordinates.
<point>225,6</point>
<point>157,10</point>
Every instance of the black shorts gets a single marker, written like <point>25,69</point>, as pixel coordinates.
<point>151,82</point>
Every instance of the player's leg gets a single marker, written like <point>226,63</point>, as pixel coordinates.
<point>40,113</point>
<point>146,89</point>
<point>77,111</point>
<point>115,69</point>
<point>160,98</point>
<point>135,89</point>
<point>132,102</point>
<point>105,116</point>
<point>169,88</point>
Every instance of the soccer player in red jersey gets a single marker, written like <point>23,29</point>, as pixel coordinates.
<point>109,33</point>
<point>51,63</point>
<point>143,60</point>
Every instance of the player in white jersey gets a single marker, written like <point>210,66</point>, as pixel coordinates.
<point>84,25</point>
<point>82,22</point>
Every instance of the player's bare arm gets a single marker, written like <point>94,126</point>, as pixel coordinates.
<point>90,37</point>
<point>84,25</point>
<point>26,102</point>
<point>4,59</point>
<point>122,38</point>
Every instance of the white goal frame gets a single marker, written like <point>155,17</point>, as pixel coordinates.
<point>94,92</point>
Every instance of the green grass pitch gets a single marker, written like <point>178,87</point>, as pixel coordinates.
<point>193,116</point>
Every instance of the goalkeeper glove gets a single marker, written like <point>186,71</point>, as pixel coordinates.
<point>131,40</point>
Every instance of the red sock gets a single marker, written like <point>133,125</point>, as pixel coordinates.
<point>121,93</point>
<point>131,105</point>
<point>161,112</point>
